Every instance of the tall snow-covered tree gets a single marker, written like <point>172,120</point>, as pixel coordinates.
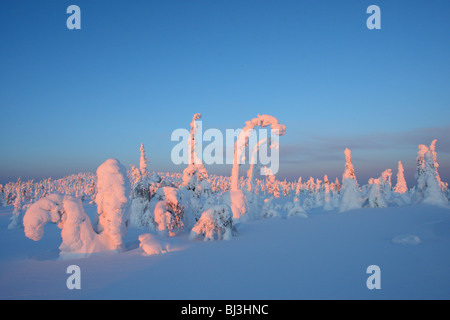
<point>350,192</point>
<point>420,170</point>
<point>349,172</point>
<point>432,148</point>
<point>112,201</point>
<point>195,172</point>
<point>143,162</point>
<point>401,186</point>
<point>428,188</point>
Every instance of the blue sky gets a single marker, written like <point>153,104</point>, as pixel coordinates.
<point>137,70</point>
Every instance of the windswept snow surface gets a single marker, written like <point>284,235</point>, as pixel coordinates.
<point>324,256</point>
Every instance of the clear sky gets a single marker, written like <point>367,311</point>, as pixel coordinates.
<point>137,70</point>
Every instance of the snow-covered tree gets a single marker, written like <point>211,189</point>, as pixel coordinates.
<point>420,170</point>
<point>78,237</point>
<point>112,201</point>
<point>142,193</point>
<point>253,163</point>
<point>17,211</point>
<point>269,210</point>
<point>169,212</point>
<point>443,185</point>
<point>310,186</point>
<point>327,204</point>
<point>401,186</point>
<point>195,166</point>
<point>375,197</point>
<point>386,184</point>
<point>134,175</point>
<point>216,223</point>
<point>298,189</point>
<point>428,189</point>
<point>350,192</point>
<point>337,185</point>
<point>143,162</point>
<point>242,141</point>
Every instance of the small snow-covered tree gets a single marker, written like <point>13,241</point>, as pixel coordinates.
<point>134,175</point>
<point>350,193</point>
<point>269,210</point>
<point>17,211</point>
<point>276,189</point>
<point>327,204</point>
<point>298,189</point>
<point>318,194</point>
<point>337,185</point>
<point>142,193</point>
<point>310,186</point>
<point>216,223</point>
<point>386,185</point>
<point>375,196</point>
<point>169,212</point>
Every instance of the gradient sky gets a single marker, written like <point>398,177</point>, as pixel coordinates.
<point>137,70</point>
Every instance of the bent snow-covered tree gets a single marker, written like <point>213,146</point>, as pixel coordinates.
<point>79,238</point>
<point>242,142</point>
<point>238,201</point>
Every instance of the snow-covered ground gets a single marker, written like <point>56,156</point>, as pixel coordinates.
<point>324,256</point>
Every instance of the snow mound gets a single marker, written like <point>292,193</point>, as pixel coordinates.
<point>216,223</point>
<point>297,211</point>
<point>151,245</point>
<point>406,239</point>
